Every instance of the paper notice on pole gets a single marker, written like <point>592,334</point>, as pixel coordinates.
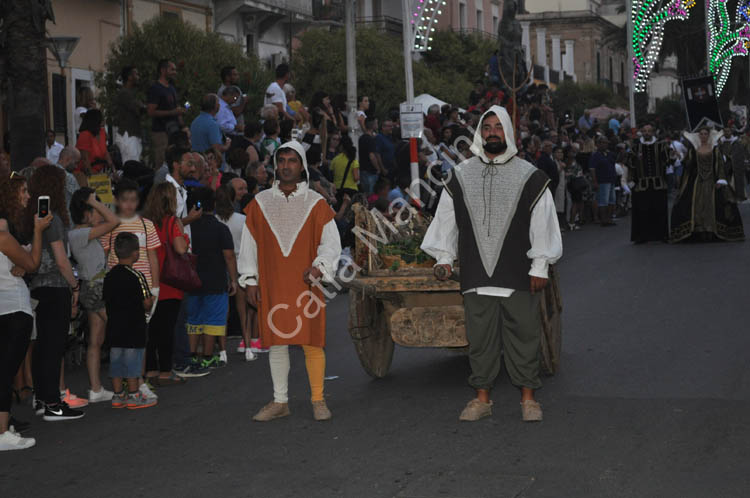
<point>103,187</point>
<point>412,120</point>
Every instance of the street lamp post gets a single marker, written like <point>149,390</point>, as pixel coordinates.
<point>62,47</point>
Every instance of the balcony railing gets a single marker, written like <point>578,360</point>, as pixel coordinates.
<point>384,24</point>
<point>475,32</point>
<point>328,10</point>
<point>554,76</point>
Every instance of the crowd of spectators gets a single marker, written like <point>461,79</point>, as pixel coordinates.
<point>110,266</point>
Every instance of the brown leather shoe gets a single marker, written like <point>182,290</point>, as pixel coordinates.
<point>272,411</point>
<point>531,411</point>
<point>321,411</point>
<point>475,410</point>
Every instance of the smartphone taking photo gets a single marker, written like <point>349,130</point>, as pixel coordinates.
<point>43,206</point>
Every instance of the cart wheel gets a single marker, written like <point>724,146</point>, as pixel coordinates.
<point>368,327</point>
<point>551,310</point>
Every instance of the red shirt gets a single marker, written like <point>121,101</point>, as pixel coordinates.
<point>96,146</point>
<point>168,231</point>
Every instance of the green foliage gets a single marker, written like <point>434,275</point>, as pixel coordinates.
<point>320,64</point>
<point>446,72</point>
<point>580,96</point>
<point>199,57</point>
<point>670,114</point>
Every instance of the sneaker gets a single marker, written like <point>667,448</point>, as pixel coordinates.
<point>192,371</point>
<point>475,410</point>
<point>61,411</point>
<point>257,347</point>
<point>139,400</point>
<point>249,355</point>
<point>321,411</point>
<point>72,400</point>
<point>241,347</point>
<point>210,362</point>
<point>222,358</point>
<point>147,391</point>
<point>10,440</point>
<point>272,411</point>
<point>119,400</point>
<point>100,395</point>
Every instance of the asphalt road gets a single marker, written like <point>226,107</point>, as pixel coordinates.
<point>652,401</point>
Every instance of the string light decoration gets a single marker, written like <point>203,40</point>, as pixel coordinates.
<point>648,19</point>
<point>724,42</point>
<point>424,19</point>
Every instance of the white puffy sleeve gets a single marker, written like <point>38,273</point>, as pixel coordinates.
<point>247,262</point>
<point>329,251</point>
<point>544,234</point>
<point>441,239</point>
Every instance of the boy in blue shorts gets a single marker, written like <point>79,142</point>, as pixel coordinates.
<point>127,296</point>
<point>212,243</point>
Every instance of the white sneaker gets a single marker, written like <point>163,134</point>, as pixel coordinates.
<point>147,392</point>
<point>100,396</point>
<point>9,440</point>
<point>249,355</point>
<point>222,358</point>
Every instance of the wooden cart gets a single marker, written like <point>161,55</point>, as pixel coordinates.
<point>410,307</point>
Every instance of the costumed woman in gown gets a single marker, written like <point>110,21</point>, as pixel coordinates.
<point>706,206</point>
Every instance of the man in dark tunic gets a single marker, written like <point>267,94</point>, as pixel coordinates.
<point>648,170</point>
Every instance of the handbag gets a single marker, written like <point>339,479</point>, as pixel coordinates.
<point>179,270</point>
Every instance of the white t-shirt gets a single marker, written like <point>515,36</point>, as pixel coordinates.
<point>53,153</point>
<point>235,224</point>
<point>182,210</point>
<point>274,95</point>
<point>14,295</point>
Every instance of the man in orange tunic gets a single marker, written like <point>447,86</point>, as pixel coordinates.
<point>289,243</point>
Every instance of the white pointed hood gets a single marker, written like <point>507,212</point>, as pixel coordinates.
<point>296,147</point>
<point>477,148</point>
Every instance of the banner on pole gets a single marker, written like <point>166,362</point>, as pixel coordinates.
<point>700,100</point>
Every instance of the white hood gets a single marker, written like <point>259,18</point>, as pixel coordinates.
<point>477,148</point>
<point>296,147</point>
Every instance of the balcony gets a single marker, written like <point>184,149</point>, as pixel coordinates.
<point>328,10</point>
<point>384,24</point>
<point>475,32</point>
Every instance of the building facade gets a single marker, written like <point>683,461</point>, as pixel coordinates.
<point>579,40</point>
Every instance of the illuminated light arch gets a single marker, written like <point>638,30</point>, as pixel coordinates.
<point>648,19</point>
<point>725,43</point>
<point>423,21</point>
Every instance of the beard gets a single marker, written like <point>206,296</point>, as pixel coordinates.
<point>495,147</point>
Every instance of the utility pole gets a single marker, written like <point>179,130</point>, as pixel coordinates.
<point>631,69</point>
<point>409,78</point>
<point>351,70</point>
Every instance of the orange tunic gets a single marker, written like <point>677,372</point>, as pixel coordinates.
<point>290,311</point>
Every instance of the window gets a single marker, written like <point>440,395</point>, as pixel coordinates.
<point>462,15</point>
<point>611,71</point>
<point>495,25</point>
<point>480,21</point>
<point>170,11</point>
<point>598,68</point>
<point>250,44</point>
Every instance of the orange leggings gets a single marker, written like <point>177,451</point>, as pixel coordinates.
<point>315,361</point>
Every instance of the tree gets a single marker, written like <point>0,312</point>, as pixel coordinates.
<point>199,57</point>
<point>446,72</point>
<point>23,67</point>
<point>579,96</point>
